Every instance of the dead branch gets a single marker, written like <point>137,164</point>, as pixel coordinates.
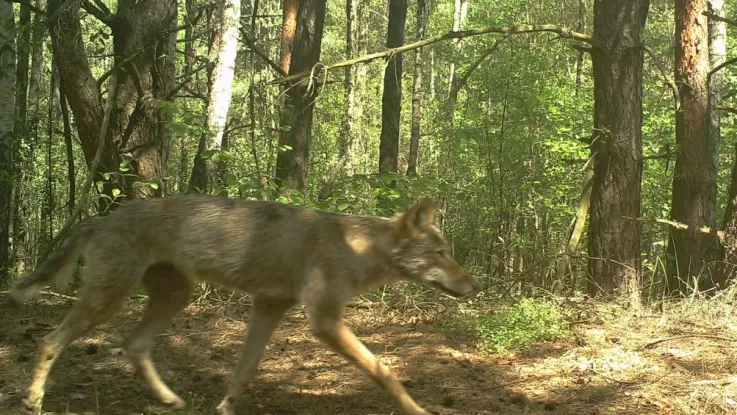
<point>685,336</point>
<point>507,31</point>
<point>94,165</point>
<point>668,80</point>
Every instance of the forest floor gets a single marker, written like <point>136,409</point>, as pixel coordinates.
<point>603,367</point>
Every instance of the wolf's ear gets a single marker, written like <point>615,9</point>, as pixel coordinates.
<point>418,217</point>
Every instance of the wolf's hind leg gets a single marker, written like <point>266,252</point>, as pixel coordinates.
<point>169,292</point>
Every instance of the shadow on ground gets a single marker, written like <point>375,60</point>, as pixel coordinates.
<point>298,375</point>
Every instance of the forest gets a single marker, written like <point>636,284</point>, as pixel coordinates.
<point>582,155</point>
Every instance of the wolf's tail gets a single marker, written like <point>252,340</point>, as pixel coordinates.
<point>59,267</point>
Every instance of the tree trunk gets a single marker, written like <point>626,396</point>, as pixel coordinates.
<point>289,29</point>
<point>7,141</point>
<point>347,138</point>
<point>717,55</point>
<point>728,254</point>
<point>221,64</point>
<point>71,175</point>
<point>414,144</point>
<point>391,103</point>
<point>460,15</point>
<point>616,145</point>
<point>690,253</point>
<point>292,161</point>
<point>20,133</point>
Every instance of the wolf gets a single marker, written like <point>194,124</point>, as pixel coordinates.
<point>282,255</point>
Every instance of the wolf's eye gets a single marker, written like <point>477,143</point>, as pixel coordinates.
<point>440,252</point>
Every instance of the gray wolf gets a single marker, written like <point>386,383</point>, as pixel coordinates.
<point>282,255</point>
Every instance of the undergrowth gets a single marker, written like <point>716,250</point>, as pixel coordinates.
<point>514,327</point>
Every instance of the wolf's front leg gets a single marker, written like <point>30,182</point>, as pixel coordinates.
<point>328,326</point>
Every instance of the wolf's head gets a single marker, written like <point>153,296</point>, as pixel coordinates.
<point>422,254</point>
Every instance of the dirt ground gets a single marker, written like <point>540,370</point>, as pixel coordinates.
<point>602,368</point>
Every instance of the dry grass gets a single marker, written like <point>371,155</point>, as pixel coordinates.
<point>603,368</point>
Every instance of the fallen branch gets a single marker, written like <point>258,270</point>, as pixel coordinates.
<point>686,336</point>
<point>49,293</point>
<point>563,32</point>
<point>112,89</point>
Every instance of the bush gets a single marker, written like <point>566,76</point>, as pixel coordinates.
<point>519,326</point>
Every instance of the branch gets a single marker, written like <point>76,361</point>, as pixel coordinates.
<point>190,21</point>
<point>273,65</point>
<point>27,4</point>
<point>686,336</point>
<point>727,109</point>
<point>467,74</point>
<point>106,18</point>
<point>721,66</point>
<point>680,226</point>
<point>668,80</point>
<point>112,89</point>
<point>507,31</point>
<point>115,68</point>
<point>720,18</point>
<point>182,84</point>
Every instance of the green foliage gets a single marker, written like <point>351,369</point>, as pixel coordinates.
<point>516,327</point>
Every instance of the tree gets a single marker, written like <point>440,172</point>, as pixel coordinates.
<point>140,46</point>
<point>717,56</point>
<point>414,145</point>
<point>223,49</point>
<point>391,102</point>
<point>694,177</point>
<point>616,145</point>
<point>7,141</point>
<point>292,162</point>
<point>349,131</point>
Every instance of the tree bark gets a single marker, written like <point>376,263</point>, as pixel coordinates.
<point>391,103</point>
<point>414,144</point>
<point>221,66</point>
<point>292,161</point>
<point>614,241</point>
<point>690,253</point>
<point>7,146</point>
